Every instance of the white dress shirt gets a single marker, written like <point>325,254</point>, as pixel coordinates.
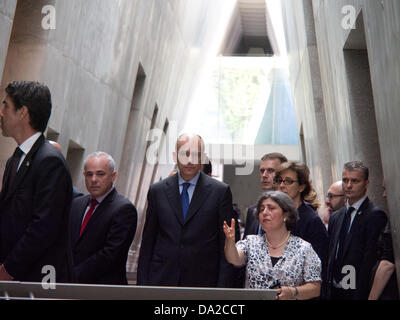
<point>27,145</point>
<point>99,200</point>
<point>193,183</point>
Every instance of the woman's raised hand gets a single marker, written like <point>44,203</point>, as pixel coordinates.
<point>230,231</point>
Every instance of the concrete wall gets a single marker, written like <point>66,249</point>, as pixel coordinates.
<point>359,79</point>
<point>92,62</point>
<point>305,78</point>
<point>7,10</point>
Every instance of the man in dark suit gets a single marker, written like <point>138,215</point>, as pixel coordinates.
<point>268,165</point>
<point>36,193</point>
<point>353,237</point>
<point>183,238</point>
<point>103,225</point>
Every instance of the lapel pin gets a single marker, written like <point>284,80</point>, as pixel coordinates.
<point>28,163</point>
<point>359,212</point>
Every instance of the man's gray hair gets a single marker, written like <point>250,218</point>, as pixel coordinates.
<point>357,166</point>
<point>99,154</point>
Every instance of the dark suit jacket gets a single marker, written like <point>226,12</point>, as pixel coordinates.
<point>361,244</point>
<point>252,223</point>
<point>76,193</point>
<point>186,253</point>
<point>310,228</point>
<point>34,216</point>
<point>100,254</point>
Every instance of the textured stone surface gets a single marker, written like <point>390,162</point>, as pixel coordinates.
<point>91,61</point>
<point>361,93</point>
<point>305,77</point>
<point>7,9</point>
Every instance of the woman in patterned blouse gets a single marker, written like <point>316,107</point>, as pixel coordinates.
<point>276,259</point>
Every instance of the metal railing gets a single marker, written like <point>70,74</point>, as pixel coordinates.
<point>62,291</point>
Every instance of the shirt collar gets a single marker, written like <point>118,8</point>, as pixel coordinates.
<point>193,181</point>
<point>356,205</point>
<point>27,145</point>
<point>100,199</point>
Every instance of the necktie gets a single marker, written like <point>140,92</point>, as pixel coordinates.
<point>88,215</point>
<point>342,240</point>
<point>185,199</point>
<point>16,157</point>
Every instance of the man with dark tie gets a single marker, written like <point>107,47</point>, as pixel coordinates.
<point>353,237</point>
<point>183,238</point>
<point>36,192</point>
<point>103,225</point>
<point>268,165</point>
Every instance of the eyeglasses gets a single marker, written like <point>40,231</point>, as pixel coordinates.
<point>286,182</point>
<point>330,195</point>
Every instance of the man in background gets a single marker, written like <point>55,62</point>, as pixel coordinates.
<point>334,200</point>
<point>353,237</point>
<point>268,165</point>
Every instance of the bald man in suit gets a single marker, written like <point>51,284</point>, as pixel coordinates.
<point>183,238</point>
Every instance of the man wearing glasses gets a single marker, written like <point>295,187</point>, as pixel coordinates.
<point>334,200</point>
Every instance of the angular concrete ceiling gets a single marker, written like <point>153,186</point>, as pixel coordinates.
<point>248,33</point>
<point>252,14</point>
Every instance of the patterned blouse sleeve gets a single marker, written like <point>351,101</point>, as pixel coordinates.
<point>312,265</point>
<point>243,245</point>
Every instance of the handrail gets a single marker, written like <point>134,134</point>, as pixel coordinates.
<point>69,291</point>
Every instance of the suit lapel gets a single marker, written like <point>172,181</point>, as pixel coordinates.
<point>200,195</point>
<point>339,224</point>
<point>174,198</point>
<point>24,167</point>
<point>355,225</point>
<point>100,209</point>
